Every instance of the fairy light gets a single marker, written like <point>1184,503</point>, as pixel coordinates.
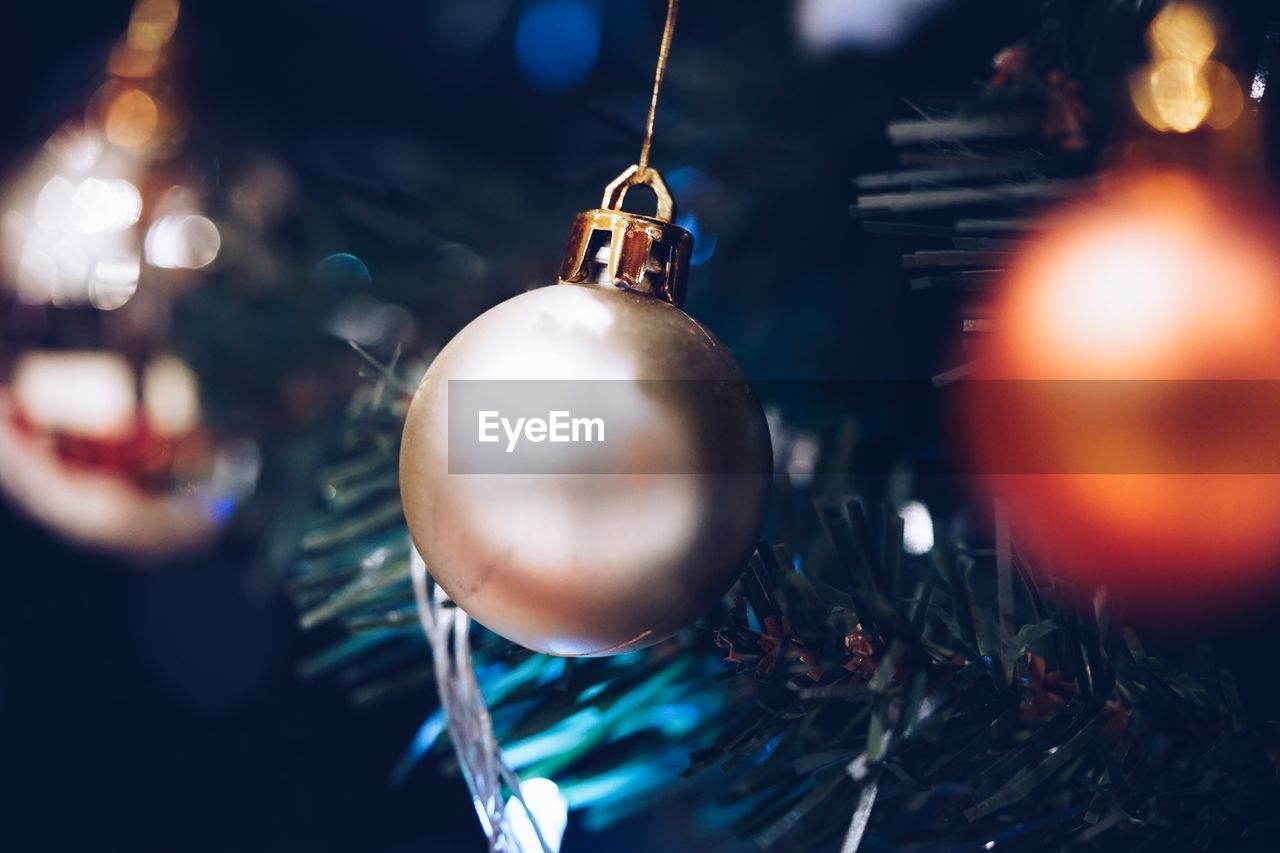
<point>917,528</point>
<point>550,811</point>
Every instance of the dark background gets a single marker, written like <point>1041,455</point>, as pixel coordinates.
<point>157,709</point>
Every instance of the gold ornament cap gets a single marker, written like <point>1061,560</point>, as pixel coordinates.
<point>644,254</point>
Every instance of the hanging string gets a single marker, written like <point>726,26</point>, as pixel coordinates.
<point>665,48</point>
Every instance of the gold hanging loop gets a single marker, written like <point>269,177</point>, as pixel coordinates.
<point>643,254</point>
<point>636,176</point>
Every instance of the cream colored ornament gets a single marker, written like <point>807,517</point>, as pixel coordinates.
<point>556,540</point>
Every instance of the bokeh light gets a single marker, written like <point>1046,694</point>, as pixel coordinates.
<point>372,323</point>
<point>69,239</point>
<point>99,205</point>
<point>101,440</point>
<point>1181,89</point>
<point>826,25</point>
<point>127,61</point>
<point>132,119</point>
<point>341,269</point>
<point>1182,31</point>
<point>704,243</point>
<point>89,394</point>
<point>1108,410</point>
<point>114,454</point>
<point>113,282</point>
<point>693,189</point>
<point>557,42</point>
<point>75,149</point>
<point>170,397</point>
<point>549,809</point>
<point>152,24</point>
<point>1225,94</point>
<point>1179,94</point>
<point>917,528</point>
<point>182,241</point>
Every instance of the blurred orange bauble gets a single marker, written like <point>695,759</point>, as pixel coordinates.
<point>1131,429</point>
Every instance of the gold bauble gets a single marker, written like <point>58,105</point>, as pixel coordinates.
<point>581,548</point>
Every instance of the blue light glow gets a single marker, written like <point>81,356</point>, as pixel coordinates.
<point>222,509</point>
<point>688,185</point>
<point>704,244</point>
<point>683,178</point>
<point>557,42</point>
